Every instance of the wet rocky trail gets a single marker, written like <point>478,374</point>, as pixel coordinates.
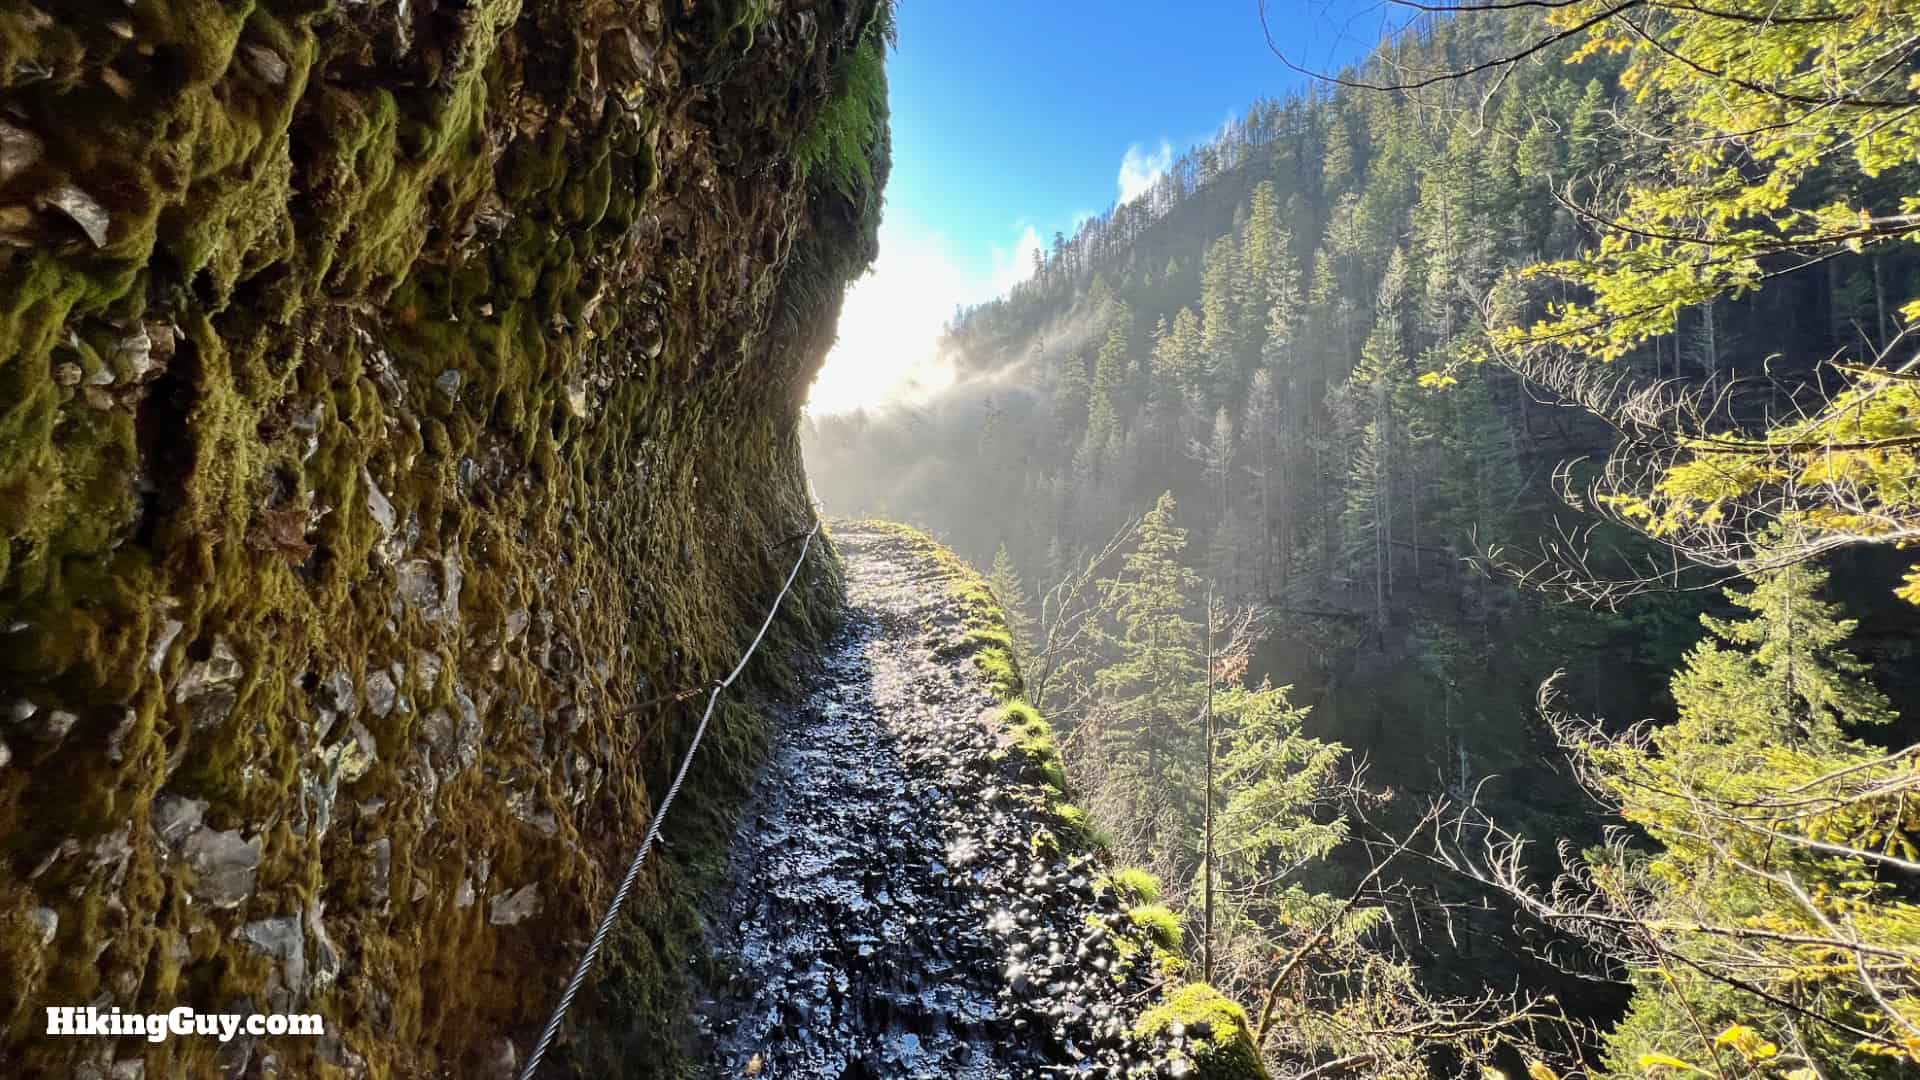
<point>899,905</point>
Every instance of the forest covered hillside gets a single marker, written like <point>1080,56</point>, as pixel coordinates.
<point>1304,395</point>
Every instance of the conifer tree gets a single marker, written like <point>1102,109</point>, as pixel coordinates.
<point>1735,794</point>
<point>1152,691</point>
<point>1004,582</point>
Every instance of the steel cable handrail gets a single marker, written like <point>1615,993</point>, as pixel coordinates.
<point>653,827</point>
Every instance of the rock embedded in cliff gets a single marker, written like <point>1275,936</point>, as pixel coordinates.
<point>57,725</point>
<point>207,686</point>
<point>174,818</point>
<point>270,66</point>
<point>336,699</point>
<point>514,907</point>
<point>419,586</point>
<point>169,630</point>
<point>281,938</point>
<point>82,209</point>
<point>382,692</point>
<point>380,869</point>
<point>349,759</point>
<point>20,150</point>
<point>325,964</point>
<point>223,865</point>
<point>45,923</point>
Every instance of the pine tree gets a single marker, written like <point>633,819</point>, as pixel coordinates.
<point>1154,687</point>
<point>1004,582</point>
<point>1731,792</point>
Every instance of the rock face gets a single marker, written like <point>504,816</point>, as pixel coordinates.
<point>392,397</point>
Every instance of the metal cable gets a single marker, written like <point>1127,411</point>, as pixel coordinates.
<point>653,827</point>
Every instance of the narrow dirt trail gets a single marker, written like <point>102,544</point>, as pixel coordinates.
<point>890,914</point>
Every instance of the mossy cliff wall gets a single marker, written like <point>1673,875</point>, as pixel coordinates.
<point>394,395</point>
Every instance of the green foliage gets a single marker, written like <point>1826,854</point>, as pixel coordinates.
<point>1135,885</point>
<point>839,150</point>
<point>1769,816</point>
<point>1276,781</point>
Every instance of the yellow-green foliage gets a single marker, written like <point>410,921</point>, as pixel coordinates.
<point>1160,923</point>
<point>1135,886</point>
<point>1226,1052</point>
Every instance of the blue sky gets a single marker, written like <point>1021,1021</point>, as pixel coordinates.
<point>1014,119</point>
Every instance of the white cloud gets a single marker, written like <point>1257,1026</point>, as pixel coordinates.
<point>1010,268</point>
<point>1141,167</point>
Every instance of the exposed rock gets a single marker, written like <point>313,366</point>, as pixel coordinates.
<point>84,210</point>
<point>134,353</point>
<point>233,1057</point>
<point>318,791</point>
<point>336,699</point>
<point>380,869</point>
<point>281,938</point>
<point>334,1051</point>
<point>426,668</point>
<point>175,817</point>
<point>392,543</point>
<point>452,579</point>
<point>516,624</point>
<point>208,686</point>
<point>211,709</point>
<point>117,737</point>
<point>58,725</point>
<point>436,731</point>
<point>468,733</point>
<point>515,907</point>
<point>20,150</point>
<point>223,865</point>
<point>349,759</point>
<point>500,1061</point>
<point>381,693</point>
<point>270,66</point>
<point>463,896</point>
<point>525,807</point>
<point>45,923</point>
<point>325,962</point>
<point>6,755</point>
<point>169,629</point>
<point>419,587</point>
<point>449,382</point>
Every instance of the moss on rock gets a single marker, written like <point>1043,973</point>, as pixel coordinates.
<point>395,402</point>
<point>1214,1030</point>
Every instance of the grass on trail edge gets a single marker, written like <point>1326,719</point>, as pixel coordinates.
<point>1230,1052</point>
